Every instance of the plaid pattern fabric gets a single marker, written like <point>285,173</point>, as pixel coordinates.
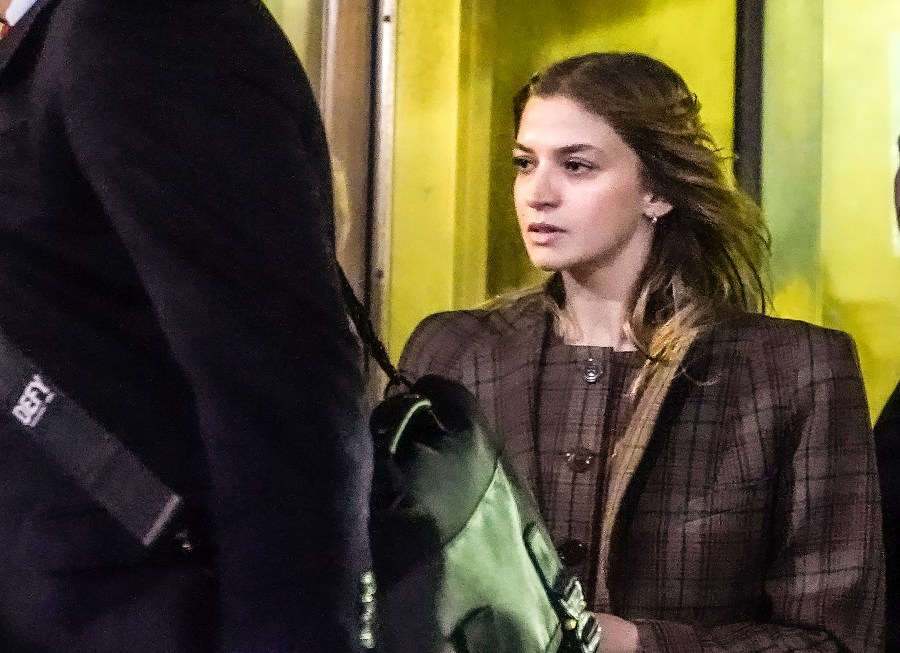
<point>583,406</point>
<point>750,522</point>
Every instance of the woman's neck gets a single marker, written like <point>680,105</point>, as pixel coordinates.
<point>595,312</point>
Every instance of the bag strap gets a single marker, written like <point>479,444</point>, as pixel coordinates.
<point>581,632</point>
<point>363,323</point>
<point>93,457</point>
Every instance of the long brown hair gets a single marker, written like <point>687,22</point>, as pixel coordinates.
<point>708,253</point>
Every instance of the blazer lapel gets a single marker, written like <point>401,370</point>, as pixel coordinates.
<point>628,453</point>
<point>18,33</point>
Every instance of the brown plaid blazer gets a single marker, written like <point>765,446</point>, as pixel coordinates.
<point>743,510</point>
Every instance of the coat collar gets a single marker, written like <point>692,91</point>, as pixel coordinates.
<point>18,35</point>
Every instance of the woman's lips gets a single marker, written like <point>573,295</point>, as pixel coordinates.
<point>543,233</point>
<point>543,228</point>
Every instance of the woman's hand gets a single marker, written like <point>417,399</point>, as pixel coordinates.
<point>617,635</point>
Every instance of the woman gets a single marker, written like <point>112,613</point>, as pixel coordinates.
<point>708,470</point>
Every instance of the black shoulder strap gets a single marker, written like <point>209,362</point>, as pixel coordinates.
<point>363,323</point>
<point>94,458</point>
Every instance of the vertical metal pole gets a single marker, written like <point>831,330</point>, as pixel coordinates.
<point>748,96</point>
<point>330,16</point>
<point>383,165</point>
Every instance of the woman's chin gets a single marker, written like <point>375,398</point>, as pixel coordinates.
<point>546,263</point>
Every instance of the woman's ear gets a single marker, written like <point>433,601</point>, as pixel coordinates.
<point>655,207</point>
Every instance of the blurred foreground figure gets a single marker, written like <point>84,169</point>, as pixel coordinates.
<point>166,261</point>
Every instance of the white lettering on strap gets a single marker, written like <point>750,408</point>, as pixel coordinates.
<point>33,402</point>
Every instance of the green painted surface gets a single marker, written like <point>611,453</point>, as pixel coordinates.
<point>792,153</point>
<point>828,164</point>
<point>832,78</point>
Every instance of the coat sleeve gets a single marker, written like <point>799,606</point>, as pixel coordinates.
<point>825,586</point>
<point>197,131</point>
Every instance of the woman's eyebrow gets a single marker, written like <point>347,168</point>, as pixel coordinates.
<point>576,147</point>
<point>564,149</point>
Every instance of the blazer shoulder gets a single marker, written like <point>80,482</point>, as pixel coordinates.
<point>778,331</point>
<point>793,346</point>
<point>442,340</point>
<point>799,369</point>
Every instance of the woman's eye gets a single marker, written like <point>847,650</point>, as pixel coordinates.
<point>576,166</point>
<point>522,163</point>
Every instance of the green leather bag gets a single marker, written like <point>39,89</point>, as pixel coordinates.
<point>463,561</point>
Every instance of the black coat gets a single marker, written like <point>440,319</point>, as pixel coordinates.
<point>166,256</point>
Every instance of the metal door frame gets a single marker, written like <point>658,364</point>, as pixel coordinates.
<point>356,96</point>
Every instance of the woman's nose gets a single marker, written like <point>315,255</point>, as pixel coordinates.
<point>542,191</point>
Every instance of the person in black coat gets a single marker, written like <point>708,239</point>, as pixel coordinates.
<point>166,258</point>
<point>887,444</point>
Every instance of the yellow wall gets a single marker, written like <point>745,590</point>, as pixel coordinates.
<point>829,165</point>
<point>420,278</point>
<point>454,239</point>
<point>860,270</point>
<point>792,153</point>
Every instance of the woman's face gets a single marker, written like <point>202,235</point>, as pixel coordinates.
<point>579,196</point>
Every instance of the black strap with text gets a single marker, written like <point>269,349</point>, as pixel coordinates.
<point>97,461</point>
